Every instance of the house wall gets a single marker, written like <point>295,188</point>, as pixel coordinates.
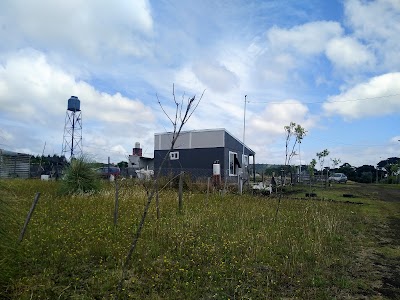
<point>197,161</point>
<point>197,152</point>
<point>14,164</point>
<point>233,145</point>
<point>140,162</point>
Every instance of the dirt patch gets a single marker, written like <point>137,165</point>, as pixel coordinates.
<point>377,266</point>
<point>377,191</point>
<point>388,265</point>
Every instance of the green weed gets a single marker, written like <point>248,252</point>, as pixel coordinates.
<point>79,177</point>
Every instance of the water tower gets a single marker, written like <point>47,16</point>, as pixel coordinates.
<point>72,141</point>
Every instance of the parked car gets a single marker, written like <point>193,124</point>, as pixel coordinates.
<point>105,172</point>
<point>338,178</point>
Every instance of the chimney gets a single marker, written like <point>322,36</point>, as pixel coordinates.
<point>137,150</point>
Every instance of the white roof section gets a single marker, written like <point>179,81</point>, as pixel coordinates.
<point>210,138</point>
<point>193,139</point>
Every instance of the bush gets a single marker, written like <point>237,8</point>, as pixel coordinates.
<point>80,178</point>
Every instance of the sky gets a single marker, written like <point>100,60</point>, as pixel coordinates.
<point>331,66</point>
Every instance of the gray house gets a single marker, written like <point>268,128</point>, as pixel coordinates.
<point>13,164</point>
<point>196,151</point>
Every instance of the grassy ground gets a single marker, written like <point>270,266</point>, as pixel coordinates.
<point>229,247</point>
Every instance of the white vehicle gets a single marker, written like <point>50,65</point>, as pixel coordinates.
<point>338,178</point>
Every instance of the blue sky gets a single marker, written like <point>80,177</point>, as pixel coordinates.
<point>331,66</point>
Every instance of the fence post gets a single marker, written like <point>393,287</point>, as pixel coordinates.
<point>116,203</point>
<point>157,201</point>
<point>28,218</point>
<point>180,191</point>
<point>208,187</point>
<point>226,179</point>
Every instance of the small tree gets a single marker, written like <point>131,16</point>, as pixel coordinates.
<point>321,159</point>
<point>311,168</point>
<point>183,112</point>
<point>335,162</point>
<point>297,132</point>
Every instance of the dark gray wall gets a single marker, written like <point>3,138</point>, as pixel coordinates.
<point>191,159</point>
<point>232,144</point>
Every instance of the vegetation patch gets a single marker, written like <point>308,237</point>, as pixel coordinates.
<point>221,246</point>
<point>80,177</point>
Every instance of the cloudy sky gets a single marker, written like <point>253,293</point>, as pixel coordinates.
<point>331,66</point>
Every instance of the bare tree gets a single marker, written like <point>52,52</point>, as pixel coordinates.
<point>183,111</point>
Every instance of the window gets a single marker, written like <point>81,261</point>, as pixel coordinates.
<point>233,163</point>
<point>174,155</point>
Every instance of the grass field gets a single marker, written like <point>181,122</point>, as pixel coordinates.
<point>219,247</point>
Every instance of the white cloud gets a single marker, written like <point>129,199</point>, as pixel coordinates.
<point>216,76</point>
<point>35,93</point>
<point>373,19</point>
<point>377,23</point>
<point>266,127</point>
<point>275,116</point>
<point>348,53</point>
<point>350,104</point>
<point>395,140</point>
<point>89,28</point>
<point>308,39</point>
<point>5,136</point>
<point>288,52</point>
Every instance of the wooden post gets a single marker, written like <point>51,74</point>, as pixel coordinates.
<point>116,203</point>
<point>157,201</point>
<point>208,187</point>
<point>226,179</point>
<point>28,218</point>
<point>180,191</point>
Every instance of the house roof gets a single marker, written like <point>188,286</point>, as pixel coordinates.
<point>11,153</point>
<point>191,139</point>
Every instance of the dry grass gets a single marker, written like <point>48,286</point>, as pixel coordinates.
<point>224,248</point>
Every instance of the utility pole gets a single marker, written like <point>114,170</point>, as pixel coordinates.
<point>244,135</point>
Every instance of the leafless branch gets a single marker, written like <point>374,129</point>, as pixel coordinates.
<point>159,103</point>
<point>180,112</point>
<point>197,104</point>
<point>189,110</point>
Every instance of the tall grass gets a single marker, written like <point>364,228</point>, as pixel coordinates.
<point>8,240</point>
<point>225,248</point>
<point>80,178</point>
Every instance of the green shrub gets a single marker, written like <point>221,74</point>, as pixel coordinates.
<point>80,178</point>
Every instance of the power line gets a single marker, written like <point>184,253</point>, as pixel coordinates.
<point>319,102</point>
